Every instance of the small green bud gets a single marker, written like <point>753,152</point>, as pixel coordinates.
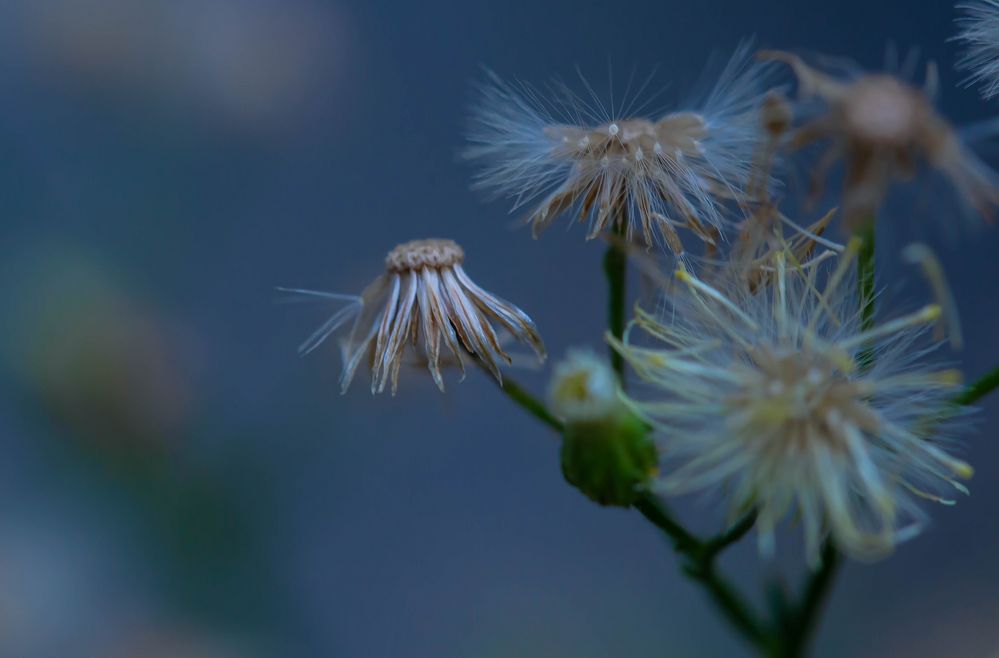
<point>606,449</point>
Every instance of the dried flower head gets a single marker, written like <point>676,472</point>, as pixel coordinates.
<point>979,32</point>
<point>770,395</point>
<point>644,176</point>
<point>885,129</point>
<point>424,293</point>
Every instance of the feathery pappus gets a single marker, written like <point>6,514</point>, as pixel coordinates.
<point>646,177</point>
<point>884,129</point>
<point>424,298</point>
<point>767,395</point>
<point>979,33</point>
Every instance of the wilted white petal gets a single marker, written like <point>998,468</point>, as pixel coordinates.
<point>424,293</point>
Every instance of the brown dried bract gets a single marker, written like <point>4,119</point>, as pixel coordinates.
<point>883,128</point>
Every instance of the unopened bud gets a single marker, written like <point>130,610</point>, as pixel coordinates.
<point>606,449</point>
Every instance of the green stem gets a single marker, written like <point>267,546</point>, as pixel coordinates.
<point>529,403</point>
<point>700,554</point>
<point>616,270</point>
<point>865,276</point>
<point>702,568</point>
<point>657,515</point>
<point>805,618</point>
<point>979,389</point>
<point>865,284</point>
<point>734,533</point>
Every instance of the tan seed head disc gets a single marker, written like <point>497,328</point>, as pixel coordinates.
<point>884,111</point>
<point>418,254</point>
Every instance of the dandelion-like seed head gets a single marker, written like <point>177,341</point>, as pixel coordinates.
<point>798,391</point>
<point>425,299</point>
<point>647,177</point>
<point>630,143</point>
<point>979,32</point>
<point>780,396</point>
<point>884,129</point>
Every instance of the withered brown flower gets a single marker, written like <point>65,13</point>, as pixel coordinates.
<point>884,129</point>
<point>425,298</point>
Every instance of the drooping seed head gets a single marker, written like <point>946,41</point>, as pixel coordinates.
<point>883,129</point>
<point>425,294</point>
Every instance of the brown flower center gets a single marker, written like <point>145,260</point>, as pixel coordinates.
<point>633,140</point>
<point>418,254</point>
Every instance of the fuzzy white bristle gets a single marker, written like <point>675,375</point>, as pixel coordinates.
<point>766,393</point>
<point>647,175</point>
<point>979,32</point>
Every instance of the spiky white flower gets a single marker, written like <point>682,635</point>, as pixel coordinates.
<point>423,293</point>
<point>644,176</point>
<point>979,32</point>
<point>770,395</point>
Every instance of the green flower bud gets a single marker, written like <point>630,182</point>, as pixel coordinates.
<point>606,449</point>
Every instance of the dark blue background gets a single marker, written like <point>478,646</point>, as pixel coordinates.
<point>181,158</point>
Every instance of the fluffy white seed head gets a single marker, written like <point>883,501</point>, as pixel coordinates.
<point>766,394</point>
<point>649,176</point>
<point>979,33</point>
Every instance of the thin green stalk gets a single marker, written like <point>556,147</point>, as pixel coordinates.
<point>657,515</point>
<point>616,270</point>
<point>702,568</point>
<point>730,536</point>
<point>529,403</point>
<point>985,385</point>
<point>701,555</point>
<point>865,284</point>
<point>804,618</point>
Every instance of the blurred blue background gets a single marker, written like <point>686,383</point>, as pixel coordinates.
<point>174,481</point>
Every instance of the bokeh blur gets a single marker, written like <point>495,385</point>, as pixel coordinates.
<point>175,482</point>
